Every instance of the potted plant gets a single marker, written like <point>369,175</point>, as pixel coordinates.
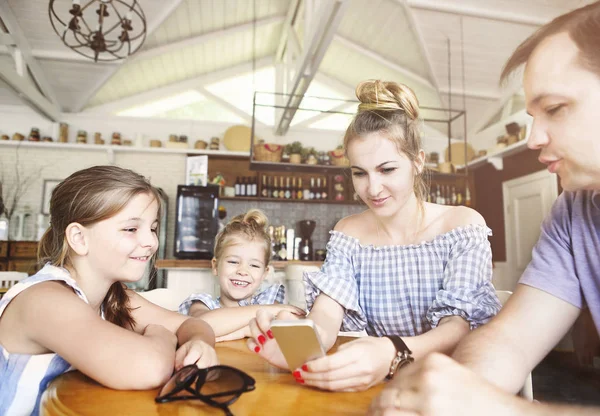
<point>294,149</point>
<point>309,155</point>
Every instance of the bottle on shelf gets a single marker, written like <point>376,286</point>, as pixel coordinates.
<point>324,189</point>
<point>306,191</point>
<point>453,196</point>
<point>264,192</point>
<point>281,188</point>
<point>282,254</point>
<point>288,190</point>
<point>294,189</point>
<point>237,186</point>
<point>299,190</point>
<point>243,186</point>
<point>275,193</point>
<point>311,194</point>
<point>467,197</point>
<point>317,190</point>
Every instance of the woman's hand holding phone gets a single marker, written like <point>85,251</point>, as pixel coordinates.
<point>261,339</point>
<point>355,366</point>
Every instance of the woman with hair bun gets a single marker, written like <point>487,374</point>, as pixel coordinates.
<point>241,262</point>
<point>415,276</point>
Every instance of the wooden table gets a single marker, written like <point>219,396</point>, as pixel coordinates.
<point>277,393</point>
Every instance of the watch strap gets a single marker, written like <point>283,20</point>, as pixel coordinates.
<point>403,355</point>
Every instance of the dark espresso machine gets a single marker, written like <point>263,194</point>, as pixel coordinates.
<point>305,248</point>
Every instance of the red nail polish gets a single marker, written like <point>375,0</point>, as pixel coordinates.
<point>305,367</point>
<point>299,380</point>
<point>297,374</point>
<point>270,334</point>
<point>257,349</point>
<point>262,339</point>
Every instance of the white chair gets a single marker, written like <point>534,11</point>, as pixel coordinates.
<point>9,279</point>
<point>527,390</point>
<point>165,298</point>
<point>294,283</point>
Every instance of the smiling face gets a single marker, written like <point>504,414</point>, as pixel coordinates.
<point>564,97</point>
<point>382,176</point>
<point>121,246</point>
<point>241,269</point>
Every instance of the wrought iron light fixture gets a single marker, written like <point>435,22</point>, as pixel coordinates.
<point>102,30</point>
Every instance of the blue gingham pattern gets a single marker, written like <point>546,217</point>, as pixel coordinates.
<point>24,377</point>
<point>406,290</point>
<point>268,296</point>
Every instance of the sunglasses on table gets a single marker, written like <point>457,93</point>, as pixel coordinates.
<point>218,386</point>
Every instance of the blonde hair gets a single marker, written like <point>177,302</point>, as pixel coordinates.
<point>251,226</point>
<point>392,109</point>
<point>583,27</point>
<point>86,197</point>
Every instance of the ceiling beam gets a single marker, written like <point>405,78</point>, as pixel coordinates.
<point>151,27</point>
<point>232,108</point>
<point>482,95</point>
<point>6,39</point>
<point>324,22</point>
<point>509,91</point>
<point>482,13</point>
<point>290,18</point>
<point>383,61</point>
<point>20,42</point>
<point>177,87</point>
<point>414,25</point>
<point>205,37</point>
<point>336,84</point>
<point>28,92</point>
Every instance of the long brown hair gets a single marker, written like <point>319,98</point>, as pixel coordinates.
<point>252,226</point>
<point>86,197</point>
<point>582,26</point>
<point>392,109</point>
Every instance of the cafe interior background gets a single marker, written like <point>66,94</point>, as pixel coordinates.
<point>183,87</point>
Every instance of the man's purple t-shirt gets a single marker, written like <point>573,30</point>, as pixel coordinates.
<point>566,258</point>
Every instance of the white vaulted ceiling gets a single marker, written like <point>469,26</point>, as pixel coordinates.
<point>440,48</point>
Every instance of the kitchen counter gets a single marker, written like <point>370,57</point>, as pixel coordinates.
<point>205,264</point>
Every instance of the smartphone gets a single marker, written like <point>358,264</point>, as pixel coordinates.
<point>298,340</point>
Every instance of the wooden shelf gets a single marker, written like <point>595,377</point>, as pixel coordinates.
<point>123,149</point>
<point>206,264</point>
<point>299,201</point>
<point>496,158</point>
<point>297,167</point>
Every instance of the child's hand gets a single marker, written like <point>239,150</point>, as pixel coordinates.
<point>288,308</point>
<point>160,333</point>
<point>195,352</point>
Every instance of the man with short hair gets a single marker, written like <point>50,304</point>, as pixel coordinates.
<point>562,90</point>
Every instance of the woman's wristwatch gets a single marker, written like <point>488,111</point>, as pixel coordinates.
<point>402,358</point>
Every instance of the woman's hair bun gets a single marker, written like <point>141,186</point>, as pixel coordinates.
<point>387,96</point>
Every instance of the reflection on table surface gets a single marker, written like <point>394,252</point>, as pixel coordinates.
<point>277,393</point>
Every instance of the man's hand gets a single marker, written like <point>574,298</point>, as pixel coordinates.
<point>439,386</point>
<point>195,352</point>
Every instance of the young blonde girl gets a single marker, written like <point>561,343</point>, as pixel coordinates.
<point>241,263</point>
<point>76,311</point>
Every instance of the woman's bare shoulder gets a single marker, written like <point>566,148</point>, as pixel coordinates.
<point>460,216</point>
<point>355,225</point>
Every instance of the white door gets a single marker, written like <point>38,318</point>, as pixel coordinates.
<point>527,201</point>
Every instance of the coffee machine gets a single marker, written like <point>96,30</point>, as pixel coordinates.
<point>305,248</point>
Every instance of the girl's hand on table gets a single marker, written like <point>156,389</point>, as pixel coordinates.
<point>261,339</point>
<point>356,365</point>
<point>195,352</point>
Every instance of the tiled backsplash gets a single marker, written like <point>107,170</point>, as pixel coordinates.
<point>289,213</point>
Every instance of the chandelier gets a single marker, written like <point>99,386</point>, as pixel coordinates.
<point>102,30</point>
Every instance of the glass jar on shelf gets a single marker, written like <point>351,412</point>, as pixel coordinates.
<point>81,137</point>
